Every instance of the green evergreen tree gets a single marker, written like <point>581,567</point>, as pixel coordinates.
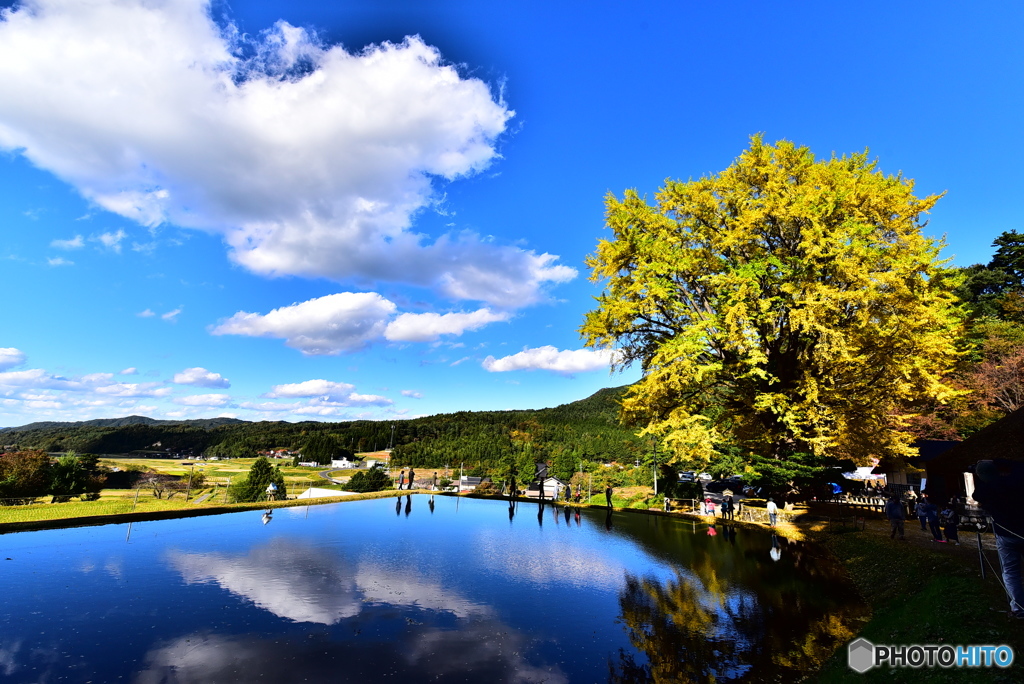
<point>372,480</point>
<point>254,487</point>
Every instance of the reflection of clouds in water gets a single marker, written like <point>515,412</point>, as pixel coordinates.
<point>386,586</point>
<point>294,582</point>
<point>523,558</point>
<point>114,568</point>
<point>41,660</point>
<point>487,650</point>
<point>490,650</point>
<point>8,657</point>
<point>304,584</point>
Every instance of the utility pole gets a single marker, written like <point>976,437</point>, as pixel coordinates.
<point>654,445</point>
<point>391,444</point>
<point>191,469</point>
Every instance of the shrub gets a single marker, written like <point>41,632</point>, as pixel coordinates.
<point>372,480</point>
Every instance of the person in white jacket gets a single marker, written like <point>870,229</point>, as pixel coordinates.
<point>773,512</point>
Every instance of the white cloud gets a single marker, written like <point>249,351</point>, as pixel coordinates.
<point>111,241</point>
<point>74,243</point>
<point>266,406</point>
<point>550,358</point>
<point>203,400</point>
<point>308,159</point>
<point>172,316</point>
<point>101,386</point>
<point>324,389</point>
<point>36,378</point>
<point>130,371</point>
<point>200,377</point>
<point>413,394</point>
<point>134,390</point>
<point>148,313</point>
<point>11,357</point>
<point>325,394</point>
<point>336,323</point>
<point>59,261</point>
<point>424,327</point>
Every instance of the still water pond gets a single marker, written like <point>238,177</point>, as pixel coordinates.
<point>413,590</point>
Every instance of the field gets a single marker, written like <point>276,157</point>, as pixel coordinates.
<point>220,472</point>
<point>142,500</point>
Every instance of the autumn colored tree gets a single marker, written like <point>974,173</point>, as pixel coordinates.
<point>24,474</point>
<point>786,306</point>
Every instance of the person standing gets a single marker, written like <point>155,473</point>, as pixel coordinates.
<point>950,520</point>
<point>998,490</point>
<point>921,511</point>
<point>727,507</point>
<point>773,512</point>
<point>894,512</point>
<point>931,512</point>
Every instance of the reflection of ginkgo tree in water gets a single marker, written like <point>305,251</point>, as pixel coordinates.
<point>699,626</point>
<point>672,625</point>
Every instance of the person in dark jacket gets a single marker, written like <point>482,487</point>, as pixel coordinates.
<point>931,512</point>
<point>998,486</point>
<point>950,520</point>
<point>894,512</point>
<point>921,512</point>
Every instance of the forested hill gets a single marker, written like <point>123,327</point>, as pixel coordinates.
<point>587,429</point>
<point>121,422</point>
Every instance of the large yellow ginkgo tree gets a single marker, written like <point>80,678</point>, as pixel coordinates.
<point>787,307</point>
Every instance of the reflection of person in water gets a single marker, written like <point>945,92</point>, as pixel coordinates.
<point>776,552</point>
<point>567,514</point>
<point>577,518</point>
<point>408,506</point>
<point>511,510</point>
<point>430,504</point>
<point>608,520</point>
<point>712,532</point>
<point>540,513</point>
<point>398,506</point>
<point>268,515</point>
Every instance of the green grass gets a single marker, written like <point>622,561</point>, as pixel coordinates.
<point>923,596</point>
<point>106,505</point>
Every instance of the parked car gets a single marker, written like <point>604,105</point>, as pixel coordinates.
<point>687,476</point>
<point>722,485</point>
<point>704,476</point>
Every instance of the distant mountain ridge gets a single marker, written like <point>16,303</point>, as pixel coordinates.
<point>587,429</point>
<point>122,422</point>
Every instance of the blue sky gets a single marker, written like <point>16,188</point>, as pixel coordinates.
<point>264,210</point>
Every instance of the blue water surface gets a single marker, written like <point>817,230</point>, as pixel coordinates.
<point>416,589</point>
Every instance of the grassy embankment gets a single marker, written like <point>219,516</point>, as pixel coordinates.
<point>922,594</point>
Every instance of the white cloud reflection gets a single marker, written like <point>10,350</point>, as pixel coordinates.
<point>304,584</point>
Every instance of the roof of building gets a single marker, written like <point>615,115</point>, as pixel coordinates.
<point>1002,439</point>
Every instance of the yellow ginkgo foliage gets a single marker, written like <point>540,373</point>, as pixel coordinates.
<point>786,306</point>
